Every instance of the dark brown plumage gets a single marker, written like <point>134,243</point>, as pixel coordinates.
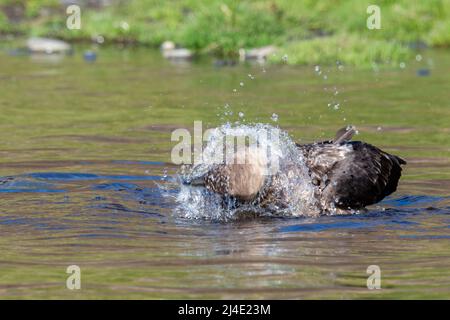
<point>348,175</point>
<point>362,175</point>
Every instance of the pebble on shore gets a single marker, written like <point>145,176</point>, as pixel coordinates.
<point>47,45</point>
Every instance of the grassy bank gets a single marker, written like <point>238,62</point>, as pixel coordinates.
<point>306,32</point>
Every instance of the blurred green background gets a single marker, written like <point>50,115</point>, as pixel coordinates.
<point>306,32</point>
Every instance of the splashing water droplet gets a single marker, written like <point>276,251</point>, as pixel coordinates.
<point>274,117</point>
<point>296,190</point>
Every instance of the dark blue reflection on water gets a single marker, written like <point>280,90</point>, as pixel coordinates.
<point>393,213</point>
<point>47,182</point>
<point>316,227</point>
<point>88,176</point>
<point>411,200</point>
<point>24,184</point>
<point>130,194</point>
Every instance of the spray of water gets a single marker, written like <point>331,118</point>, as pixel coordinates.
<point>291,192</point>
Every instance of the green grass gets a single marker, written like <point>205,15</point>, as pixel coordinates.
<point>345,49</point>
<point>308,31</point>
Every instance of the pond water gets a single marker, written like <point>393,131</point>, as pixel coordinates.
<point>86,145</point>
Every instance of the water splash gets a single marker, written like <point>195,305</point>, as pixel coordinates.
<point>286,172</point>
<point>274,117</point>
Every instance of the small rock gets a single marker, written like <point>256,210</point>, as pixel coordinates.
<point>423,72</point>
<point>90,56</point>
<point>170,51</point>
<point>48,46</point>
<point>182,54</point>
<point>259,54</point>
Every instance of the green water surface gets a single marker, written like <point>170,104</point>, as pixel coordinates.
<point>114,117</point>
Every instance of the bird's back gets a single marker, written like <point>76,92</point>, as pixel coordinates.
<point>351,174</point>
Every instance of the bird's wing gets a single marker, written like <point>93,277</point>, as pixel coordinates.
<point>365,176</point>
<point>321,157</point>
